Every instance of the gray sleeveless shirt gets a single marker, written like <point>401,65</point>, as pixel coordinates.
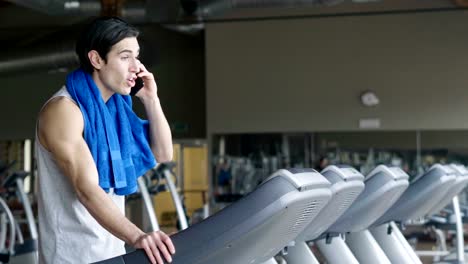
<point>67,232</point>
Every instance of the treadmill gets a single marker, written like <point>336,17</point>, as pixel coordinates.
<point>27,251</point>
<point>162,171</point>
<point>383,186</point>
<point>8,226</point>
<point>461,181</point>
<point>462,174</point>
<point>454,220</point>
<point>253,229</point>
<point>347,184</point>
<point>425,191</point>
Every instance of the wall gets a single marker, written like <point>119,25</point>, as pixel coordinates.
<point>307,74</point>
<point>434,139</point>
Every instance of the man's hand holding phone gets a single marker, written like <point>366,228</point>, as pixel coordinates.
<point>145,85</point>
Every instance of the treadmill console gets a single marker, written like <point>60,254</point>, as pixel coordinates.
<point>442,169</point>
<point>393,171</point>
<point>449,169</point>
<point>345,172</point>
<point>302,179</point>
<point>398,171</point>
<point>460,169</point>
<point>438,169</point>
<point>300,170</point>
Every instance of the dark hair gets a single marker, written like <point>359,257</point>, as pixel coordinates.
<point>100,35</point>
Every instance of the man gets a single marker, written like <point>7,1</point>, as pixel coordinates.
<point>91,147</point>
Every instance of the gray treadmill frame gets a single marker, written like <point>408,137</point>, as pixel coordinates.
<point>284,205</point>
<point>424,192</point>
<point>371,203</point>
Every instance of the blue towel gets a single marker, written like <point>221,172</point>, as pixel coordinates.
<point>116,136</point>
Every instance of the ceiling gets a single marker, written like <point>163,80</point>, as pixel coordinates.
<point>19,24</point>
<point>23,27</point>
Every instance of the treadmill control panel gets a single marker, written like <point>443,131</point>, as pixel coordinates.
<point>443,169</point>
<point>460,169</point>
<point>395,172</point>
<point>343,171</point>
<point>449,169</point>
<point>301,170</point>
<point>350,172</point>
<point>302,179</point>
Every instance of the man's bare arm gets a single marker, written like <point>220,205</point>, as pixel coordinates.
<point>60,131</point>
<point>159,130</point>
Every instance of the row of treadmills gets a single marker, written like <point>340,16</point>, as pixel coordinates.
<point>349,217</point>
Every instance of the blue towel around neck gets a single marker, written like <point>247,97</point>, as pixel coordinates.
<point>116,136</point>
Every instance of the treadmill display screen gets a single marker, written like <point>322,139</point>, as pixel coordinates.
<point>349,171</point>
<point>397,171</point>
<point>462,169</point>
<point>300,170</point>
<point>448,170</point>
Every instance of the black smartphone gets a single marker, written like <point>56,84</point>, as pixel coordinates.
<point>137,87</point>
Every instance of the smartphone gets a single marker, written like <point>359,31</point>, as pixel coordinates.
<point>137,87</point>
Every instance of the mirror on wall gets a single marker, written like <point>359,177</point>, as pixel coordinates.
<point>241,161</point>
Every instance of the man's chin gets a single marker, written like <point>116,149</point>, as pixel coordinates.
<point>126,91</point>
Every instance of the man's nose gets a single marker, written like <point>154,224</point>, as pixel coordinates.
<point>135,65</point>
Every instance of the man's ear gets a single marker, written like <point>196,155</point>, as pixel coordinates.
<point>95,59</point>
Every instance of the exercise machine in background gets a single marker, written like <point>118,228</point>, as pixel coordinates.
<point>25,250</point>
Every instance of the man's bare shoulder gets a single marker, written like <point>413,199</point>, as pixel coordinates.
<point>58,110</point>
<point>59,119</point>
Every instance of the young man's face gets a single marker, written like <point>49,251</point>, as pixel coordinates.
<point>119,73</point>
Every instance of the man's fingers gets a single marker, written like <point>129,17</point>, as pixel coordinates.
<point>156,254</point>
<point>163,250</point>
<point>142,66</point>
<point>161,238</point>
<point>157,246</point>
<point>148,251</point>
<point>167,240</point>
<point>154,250</point>
<point>144,72</point>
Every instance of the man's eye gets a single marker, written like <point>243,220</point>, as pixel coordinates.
<point>124,58</point>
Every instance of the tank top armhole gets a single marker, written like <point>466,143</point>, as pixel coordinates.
<point>62,93</point>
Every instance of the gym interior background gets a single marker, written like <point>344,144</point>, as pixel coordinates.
<point>252,88</point>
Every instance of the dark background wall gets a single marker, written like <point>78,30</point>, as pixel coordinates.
<point>177,62</point>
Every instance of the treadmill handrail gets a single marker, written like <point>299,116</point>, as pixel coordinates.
<point>176,199</point>
<point>10,181</point>
<point>27,208</point>
<point>148,203</point>
<point>11,220</point>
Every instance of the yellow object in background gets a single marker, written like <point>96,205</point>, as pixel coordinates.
<point>195,183</point>
<point>195,168</point>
